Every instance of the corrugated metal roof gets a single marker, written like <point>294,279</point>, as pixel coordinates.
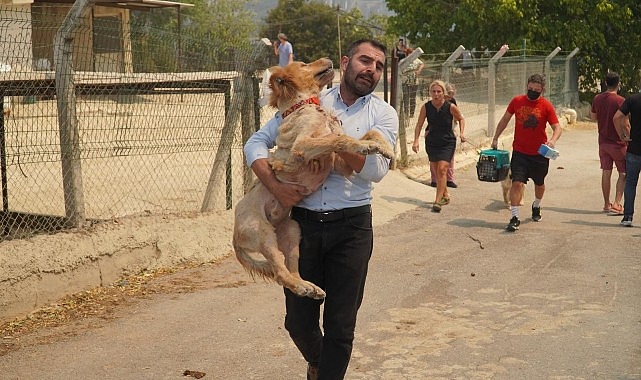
<point>129,4</point>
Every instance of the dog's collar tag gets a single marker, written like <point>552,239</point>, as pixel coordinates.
<point>296,106</point>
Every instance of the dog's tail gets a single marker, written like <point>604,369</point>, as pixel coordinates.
<point>252,264</point>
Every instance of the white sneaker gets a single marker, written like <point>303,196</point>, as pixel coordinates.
<point>627,221</point>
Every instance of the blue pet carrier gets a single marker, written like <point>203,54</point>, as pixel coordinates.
<point>493,165</point>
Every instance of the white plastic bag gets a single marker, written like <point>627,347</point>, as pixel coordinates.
<point>6,101</point>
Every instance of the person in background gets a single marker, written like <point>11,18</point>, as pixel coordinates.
<point>336,220</point>
<point>533,113</point>
<point>409,84</point>
<point>627,121</point>
<point>440,140</point>
<point>400,51</point>
<point>611,147</point>
<point>468,69</point>
<point>450,93</point>
<point>284,50</point>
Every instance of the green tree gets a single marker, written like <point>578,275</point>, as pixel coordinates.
<point>313,28</point>
<point>208,37</point>
<point>607,32</point>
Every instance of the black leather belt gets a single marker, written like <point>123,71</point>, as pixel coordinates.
<point>329,216</point>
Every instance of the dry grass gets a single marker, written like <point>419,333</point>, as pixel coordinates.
<point>92,308</point>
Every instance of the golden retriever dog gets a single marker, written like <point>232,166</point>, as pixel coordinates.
<point>506,184</point>
<point>265,238</point>
<point>568,114</point>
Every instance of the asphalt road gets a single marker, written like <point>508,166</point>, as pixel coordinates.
<point>449,296</point>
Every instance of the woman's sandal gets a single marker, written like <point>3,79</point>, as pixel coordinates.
<point>615,209</point>
<point>436,207</point>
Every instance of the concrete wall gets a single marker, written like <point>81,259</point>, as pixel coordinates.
<point>44,268</point>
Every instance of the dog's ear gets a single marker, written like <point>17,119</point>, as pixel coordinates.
<point>275,84</point>
<point>284,87</point>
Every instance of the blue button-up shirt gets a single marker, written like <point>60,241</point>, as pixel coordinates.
<point>337,192</point>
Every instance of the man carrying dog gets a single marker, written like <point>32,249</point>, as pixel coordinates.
<point>336,220</point>
<point>533,113</point>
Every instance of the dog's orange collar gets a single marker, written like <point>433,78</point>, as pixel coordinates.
<point>296,106</point>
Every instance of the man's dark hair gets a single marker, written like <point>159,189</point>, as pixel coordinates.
<point>352,48</point>
<point>612,79</point>
<point>537,78</point>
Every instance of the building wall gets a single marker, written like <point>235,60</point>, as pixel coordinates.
<point>27,34</point>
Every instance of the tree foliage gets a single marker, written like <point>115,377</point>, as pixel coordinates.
<point>313,28</point>
<point>205,39</point>
<point>607,32</point>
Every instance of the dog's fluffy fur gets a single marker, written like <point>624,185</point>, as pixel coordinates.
<point>305,154</point>
<point>568,114</point>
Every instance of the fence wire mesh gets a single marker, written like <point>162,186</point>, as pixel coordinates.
<point>121,118</point>
<point>152,123</point>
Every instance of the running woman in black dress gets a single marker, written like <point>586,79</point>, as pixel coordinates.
<point>440,140</point>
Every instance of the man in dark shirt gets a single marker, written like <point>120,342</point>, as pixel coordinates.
<point>627,121</point>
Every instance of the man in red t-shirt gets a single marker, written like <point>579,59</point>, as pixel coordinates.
<point>611,147</point>
<point>532,114</point>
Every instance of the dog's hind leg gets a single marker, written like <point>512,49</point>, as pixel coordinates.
<point>256,245</point>
<point>505,187</point>
<point>288,235</point>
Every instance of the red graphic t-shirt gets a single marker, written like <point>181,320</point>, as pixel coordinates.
<point>531,118</point>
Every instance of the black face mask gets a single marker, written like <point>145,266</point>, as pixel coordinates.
<point>533,95</point>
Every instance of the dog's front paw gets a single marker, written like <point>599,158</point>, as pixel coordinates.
<point>373,148</point>
<point>385,152</point>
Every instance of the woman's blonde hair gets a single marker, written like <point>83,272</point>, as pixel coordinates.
<point>439,83</point>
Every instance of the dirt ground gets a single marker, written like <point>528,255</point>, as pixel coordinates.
<point>93,307</point>
<point>450,295</point>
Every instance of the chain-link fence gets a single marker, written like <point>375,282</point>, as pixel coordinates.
<point>104,118</point>
<point>485,83</point>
